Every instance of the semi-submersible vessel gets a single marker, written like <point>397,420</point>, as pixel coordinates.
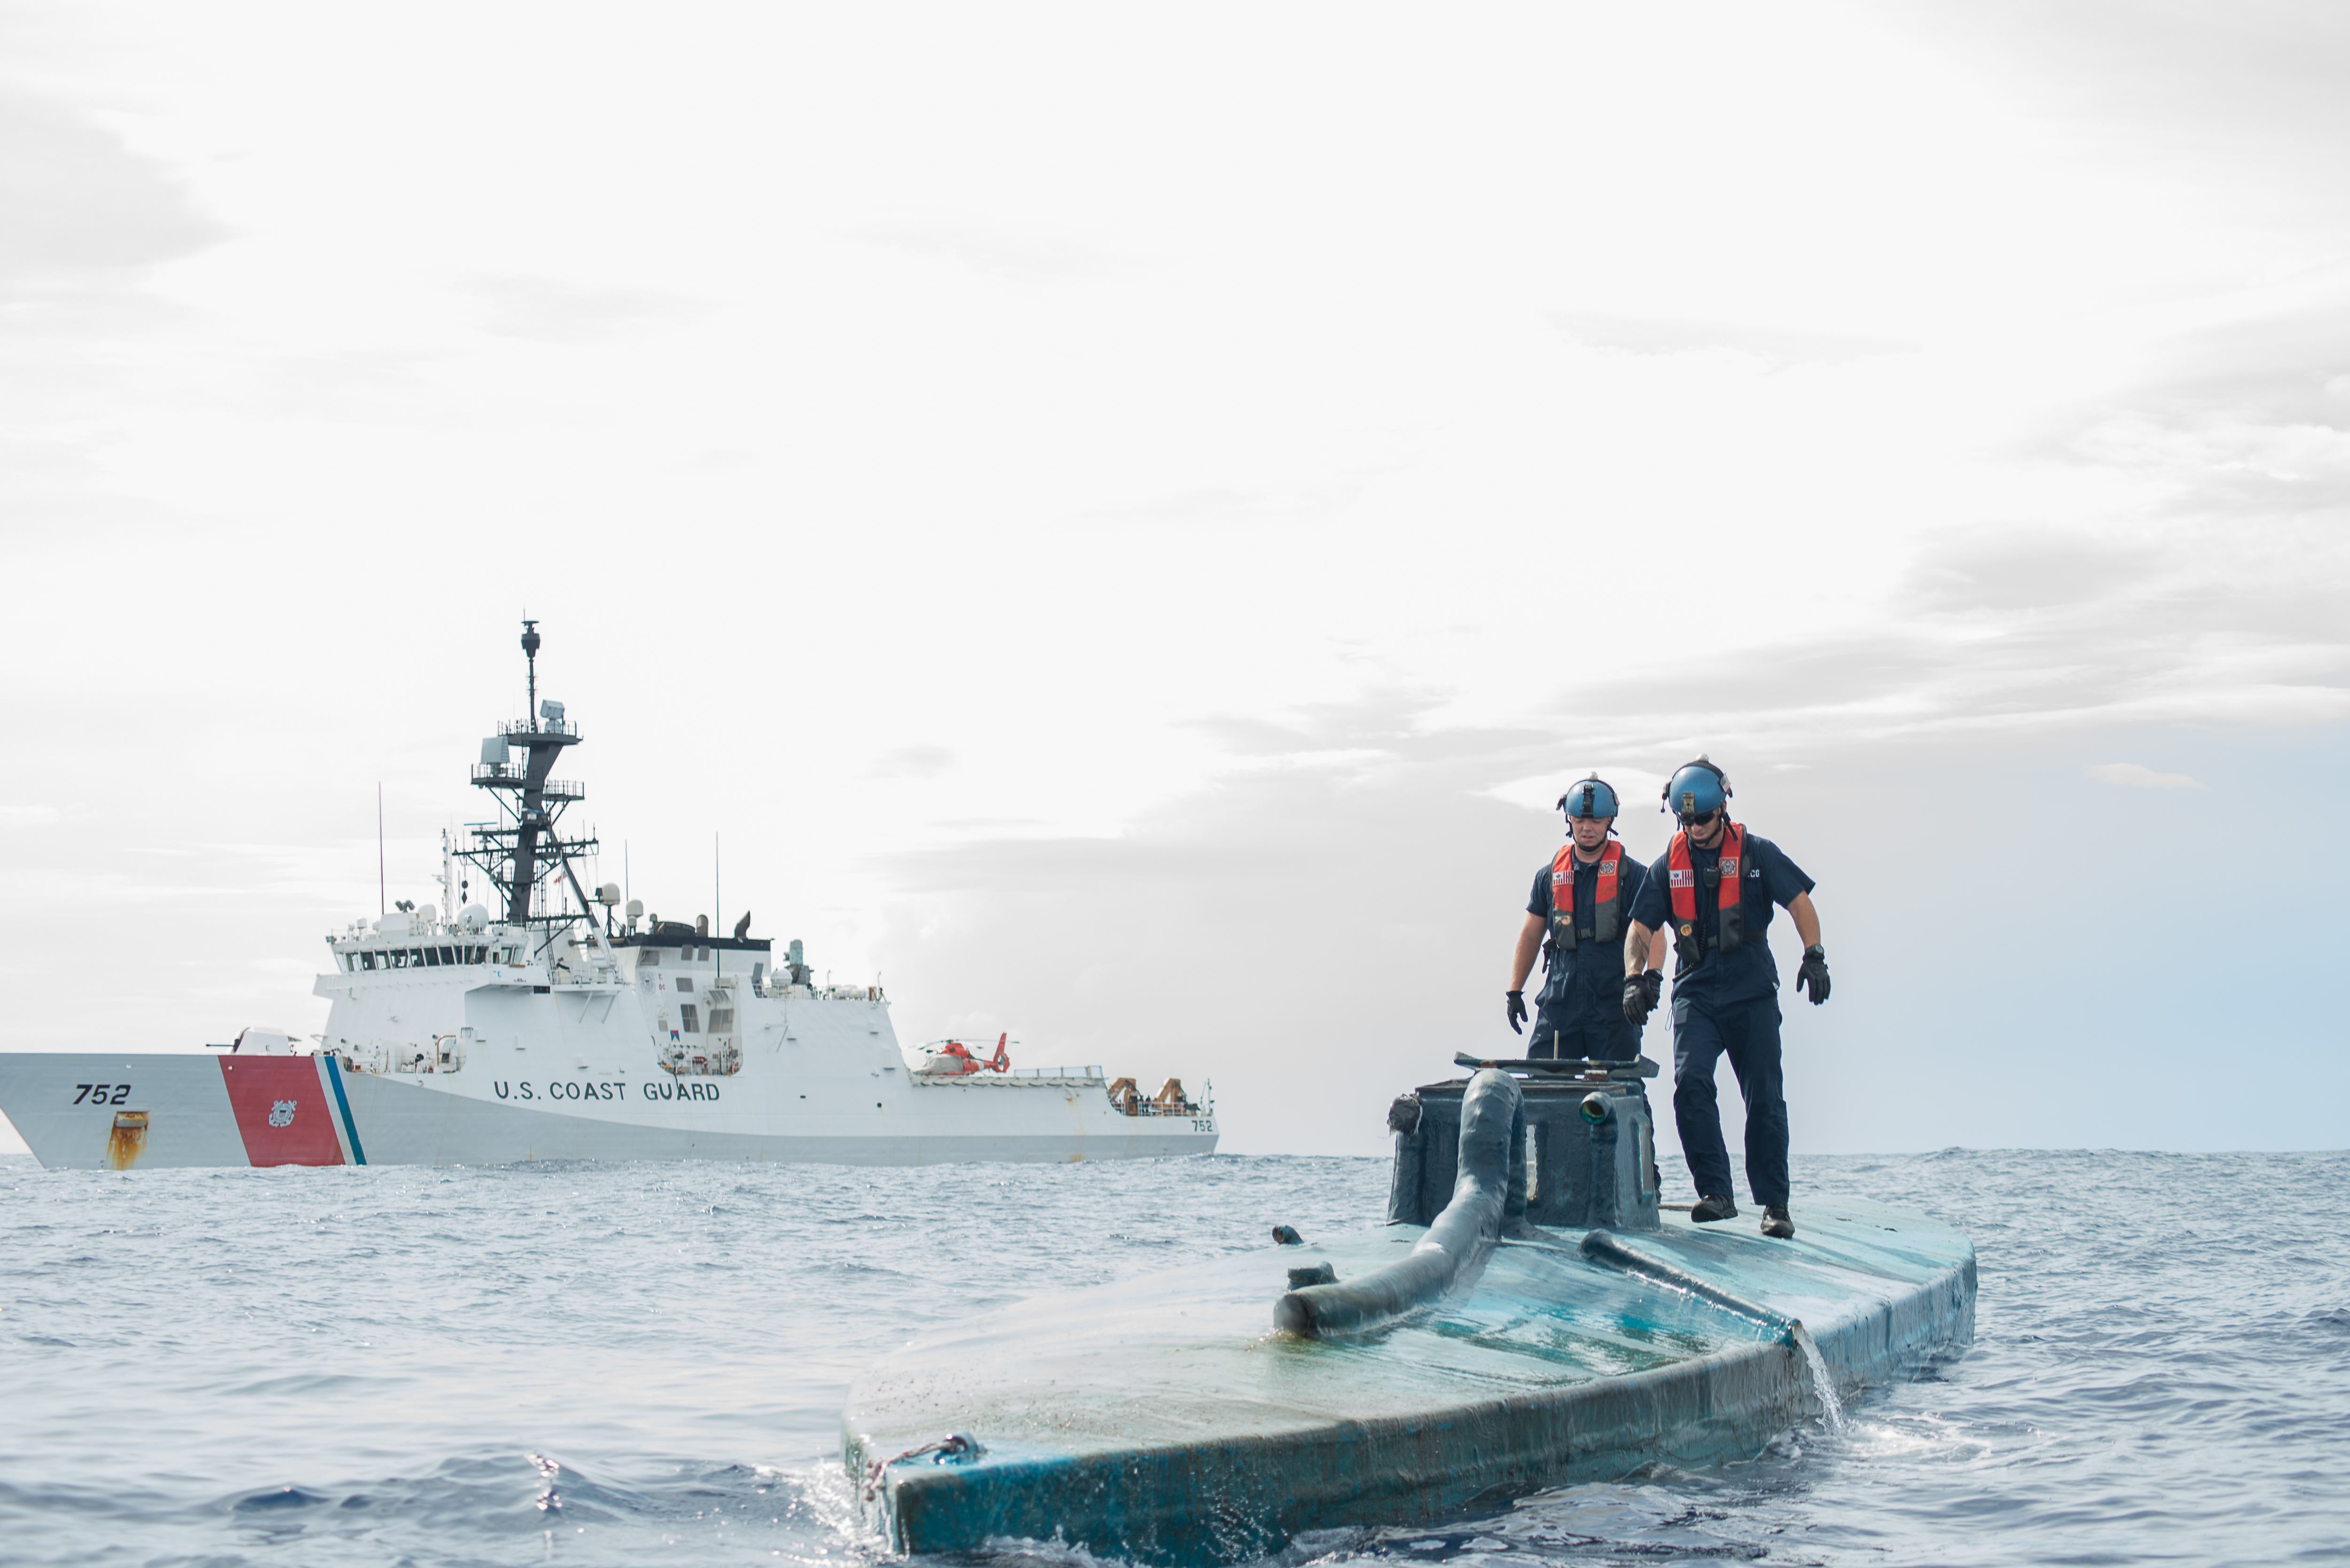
<point>1531,1315</point>
<point>549,1027</point>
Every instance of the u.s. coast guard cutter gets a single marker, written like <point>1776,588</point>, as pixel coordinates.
<point>550,1027</point>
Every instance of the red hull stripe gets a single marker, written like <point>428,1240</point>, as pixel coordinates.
<point>281,1110</point>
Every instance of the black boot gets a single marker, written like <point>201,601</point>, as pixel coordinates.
<point>1777,1222</point>
<point>1712,1207</point>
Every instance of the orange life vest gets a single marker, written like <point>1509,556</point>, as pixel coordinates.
<point>1726,876</point>
<point>1603,923</point>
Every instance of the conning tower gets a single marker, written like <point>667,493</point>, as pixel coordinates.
<point>1583,1153</point>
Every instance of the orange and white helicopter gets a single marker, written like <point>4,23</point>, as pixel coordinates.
<point>950,1057</point>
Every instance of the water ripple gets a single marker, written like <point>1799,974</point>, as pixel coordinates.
<point>594,1364</point>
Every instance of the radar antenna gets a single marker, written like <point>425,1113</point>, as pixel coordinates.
<point>518,853</point>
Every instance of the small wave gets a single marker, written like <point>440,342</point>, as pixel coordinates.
<point>585,1365</point>
<point>278,1501</point>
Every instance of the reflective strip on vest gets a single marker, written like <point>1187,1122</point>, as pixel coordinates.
<point>1681,879</point>
<point>1607,925</point>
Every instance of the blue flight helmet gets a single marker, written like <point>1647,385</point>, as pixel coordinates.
<point>1588,797</point>
<point>1697,789</point>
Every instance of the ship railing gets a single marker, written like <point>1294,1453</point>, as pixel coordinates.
<point>1056,1072</point>
<point>544,727</point>
<point>501,773</point>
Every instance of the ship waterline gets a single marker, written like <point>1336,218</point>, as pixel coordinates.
<point>83,1110</point>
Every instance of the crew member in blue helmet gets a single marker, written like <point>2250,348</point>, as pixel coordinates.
<point>1713,889</point>
<point>1579,916</point>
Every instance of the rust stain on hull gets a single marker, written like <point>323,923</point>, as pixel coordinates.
<point>127,1141</point>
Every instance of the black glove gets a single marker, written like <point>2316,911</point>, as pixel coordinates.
<point>1641,992</point>
<point>1517,1012</point>
<point>1815,973</point>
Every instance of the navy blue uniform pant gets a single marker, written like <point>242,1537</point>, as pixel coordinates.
<point>1748,1032</point>
<point>1584,1033</point>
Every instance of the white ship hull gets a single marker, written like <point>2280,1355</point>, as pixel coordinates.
<point>83,1111</point>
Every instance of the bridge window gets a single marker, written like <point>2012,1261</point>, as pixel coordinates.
<point>448,955</point>
<point>688,1019</point>
<point>416,957</point>
<point>365,961</point>
<point>432,957</point>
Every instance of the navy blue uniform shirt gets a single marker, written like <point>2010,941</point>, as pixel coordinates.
<point>1770,879</point>
<point>1594,970</point>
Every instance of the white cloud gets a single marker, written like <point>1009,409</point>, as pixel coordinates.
<point>1777,346</point>
<point>1635,788</point>
<point>922,443</point>
<point>28,816</point>
<point>80,204</point>
<point>2136,776</point>
<point>556,311</point>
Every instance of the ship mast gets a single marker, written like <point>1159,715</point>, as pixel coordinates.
<point>510,853</point>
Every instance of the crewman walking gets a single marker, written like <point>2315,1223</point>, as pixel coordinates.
<point>1714,888</point>
<point>1577,916</point>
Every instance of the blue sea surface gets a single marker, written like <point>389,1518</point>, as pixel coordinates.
<point>646,1364</point>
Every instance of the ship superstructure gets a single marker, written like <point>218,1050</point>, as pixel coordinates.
<point>546,1022</point>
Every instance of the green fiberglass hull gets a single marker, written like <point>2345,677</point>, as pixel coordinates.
<point>1166,1420</point>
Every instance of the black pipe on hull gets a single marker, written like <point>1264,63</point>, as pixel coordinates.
<point>1492,1129</point>
<point>1603,1248</point>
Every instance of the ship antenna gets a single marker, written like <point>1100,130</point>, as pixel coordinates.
<point>543,735</point>
<point>530,652</point>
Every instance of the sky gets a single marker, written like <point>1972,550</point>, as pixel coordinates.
<point>1120,522</point>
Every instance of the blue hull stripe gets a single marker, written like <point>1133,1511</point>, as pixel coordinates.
<point>334,1066</point>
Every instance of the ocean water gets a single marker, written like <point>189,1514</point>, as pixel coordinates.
<point>645,1364</point>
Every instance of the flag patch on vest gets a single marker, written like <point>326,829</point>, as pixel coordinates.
<point>1728,900</point>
